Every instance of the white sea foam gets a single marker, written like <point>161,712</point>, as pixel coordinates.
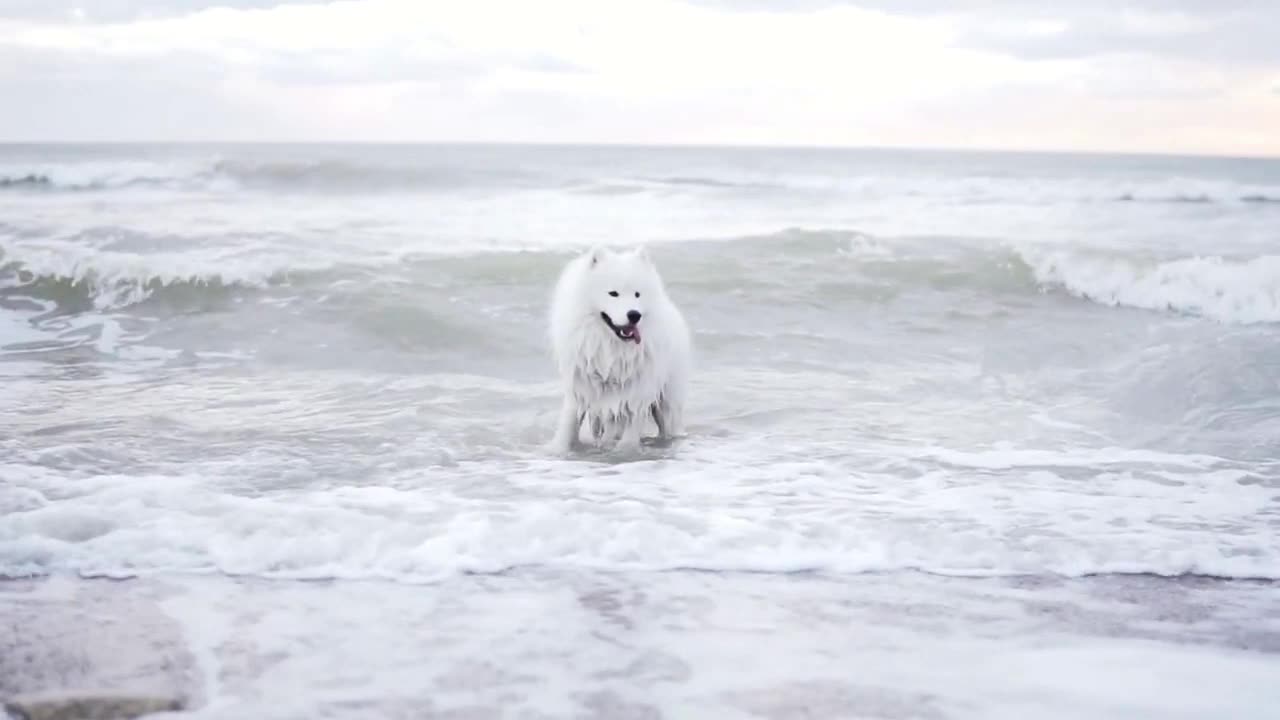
<point>774,517</point>
<point>1231,291</point>
<point>617,645</point>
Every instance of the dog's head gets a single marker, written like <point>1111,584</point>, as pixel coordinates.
<point>619,287</point>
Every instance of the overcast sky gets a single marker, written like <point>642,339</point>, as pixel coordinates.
<point>1192,76</point>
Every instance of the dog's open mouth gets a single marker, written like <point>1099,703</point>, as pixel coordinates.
<point>626,333</point>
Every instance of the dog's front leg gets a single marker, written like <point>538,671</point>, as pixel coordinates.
<point>666,414</point>
<point>567,427</point>
<point>631,425</point>
<point>658,412</point>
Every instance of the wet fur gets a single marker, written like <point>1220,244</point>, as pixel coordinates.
<point>611,385</point>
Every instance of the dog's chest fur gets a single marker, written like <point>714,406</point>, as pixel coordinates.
<point>616,382</point>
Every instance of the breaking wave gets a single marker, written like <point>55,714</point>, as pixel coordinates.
<point>1243,291</point>
<point>235,174</point>
<point>92,291</point>
<point>89,280</point>
<point>28,180</point>
<point>110,175</point>
<point>1198,198</point>
<point>1227,290</point>
<point>428,169</point>
<point>840,265</point>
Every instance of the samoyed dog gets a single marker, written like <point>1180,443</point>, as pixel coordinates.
<point>622,349</point>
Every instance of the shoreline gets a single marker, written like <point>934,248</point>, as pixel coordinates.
<point>609,645</point>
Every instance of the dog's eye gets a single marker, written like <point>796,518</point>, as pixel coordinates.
<point>613,293</point>
<point>637,294</point>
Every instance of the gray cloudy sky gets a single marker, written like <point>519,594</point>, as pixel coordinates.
<point>1194,76</point>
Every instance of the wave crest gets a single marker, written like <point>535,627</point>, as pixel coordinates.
<point>110,175</point>
<point>28,180</point>
<point>1228,290</point>
<point>445,168</point>
<point>100,280</point>
<point>1231,291</point>
<point>1253,198</point>
<point>1234,291</point>
<point>215,174</point>
<point>90,290</point>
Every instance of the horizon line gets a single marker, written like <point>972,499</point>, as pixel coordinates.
<point>674,146</point>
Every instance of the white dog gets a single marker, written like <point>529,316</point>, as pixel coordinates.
<point>622,347</point>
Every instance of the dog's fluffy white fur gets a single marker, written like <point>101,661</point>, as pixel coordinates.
<point>622,349</point>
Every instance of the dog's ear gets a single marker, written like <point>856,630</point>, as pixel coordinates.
<point>595,255</point>
<point>642,253</point>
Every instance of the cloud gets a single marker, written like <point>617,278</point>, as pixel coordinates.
<point>824,72</point>
<point>397,65</point>
<point>1245,32</point>
<point>995,7</point>
<point>122,10</point>
<point>346,70</point>
<point>52,94</point>
<point>1248,38</point>
<point>299,44</point>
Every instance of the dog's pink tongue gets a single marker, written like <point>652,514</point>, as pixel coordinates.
<point>635,334</point>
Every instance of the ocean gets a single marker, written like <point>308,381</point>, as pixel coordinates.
<point>970,435</point>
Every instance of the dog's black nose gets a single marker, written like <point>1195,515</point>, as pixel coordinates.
<point>633,316</point>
